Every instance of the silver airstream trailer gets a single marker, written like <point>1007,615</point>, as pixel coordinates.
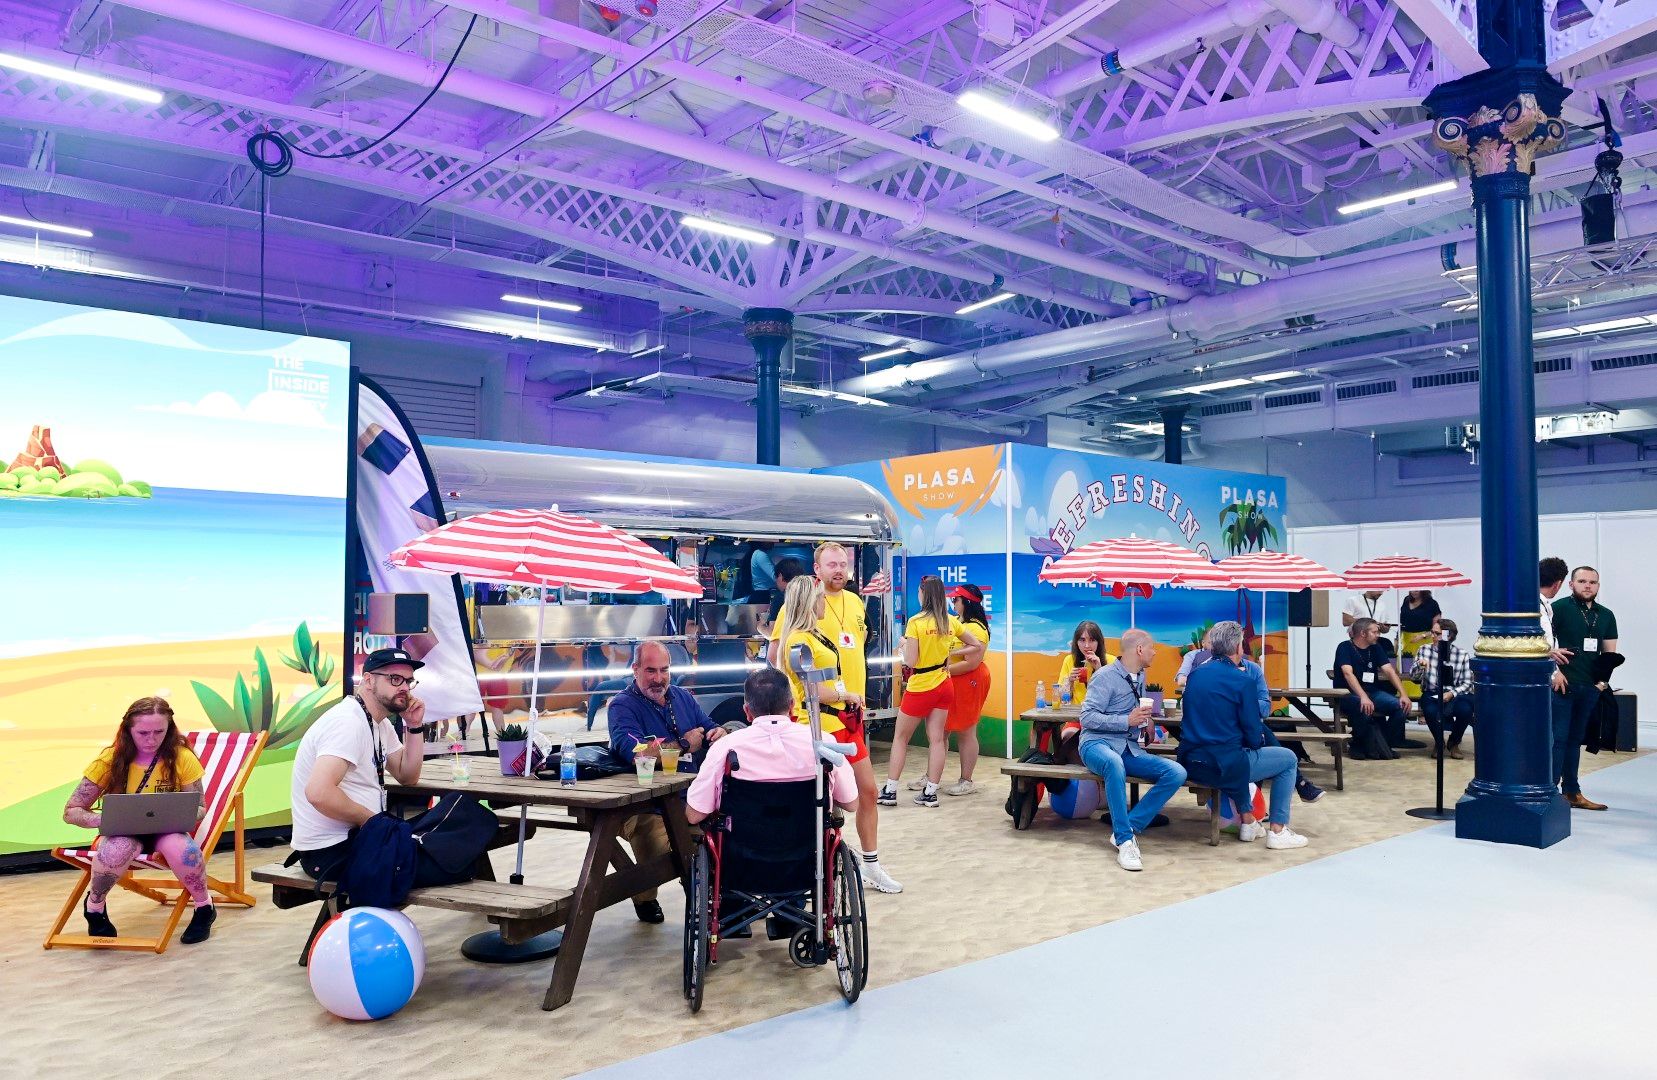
<point>731,523</point>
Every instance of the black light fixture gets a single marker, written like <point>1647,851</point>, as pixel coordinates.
<point>1603,195</point>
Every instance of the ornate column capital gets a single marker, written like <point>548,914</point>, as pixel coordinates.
<point>1500,143</point>
<point>767,322</point>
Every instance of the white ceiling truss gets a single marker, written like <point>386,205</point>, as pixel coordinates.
<point>566,150</point>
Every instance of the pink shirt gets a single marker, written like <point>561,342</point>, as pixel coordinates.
<point>774,748</point>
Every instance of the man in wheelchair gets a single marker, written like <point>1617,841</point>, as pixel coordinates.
<point>756,799</point>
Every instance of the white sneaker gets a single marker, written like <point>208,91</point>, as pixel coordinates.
<point>1127,855</point>
<point>917,784</point>
<point>876,877</point>
<point>1248,832</point>
<point>961,787</point>
<point>1285,840</point>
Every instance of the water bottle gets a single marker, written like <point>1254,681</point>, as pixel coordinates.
<point>1041,694</point>
<point>566,761</point>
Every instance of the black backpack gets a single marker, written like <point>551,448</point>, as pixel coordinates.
<point>1026,795</point>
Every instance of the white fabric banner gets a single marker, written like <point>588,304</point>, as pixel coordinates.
<point>395,505</point>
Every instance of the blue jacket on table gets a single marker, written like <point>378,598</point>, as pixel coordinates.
<point>634,719</point>
<point>1220,723</point>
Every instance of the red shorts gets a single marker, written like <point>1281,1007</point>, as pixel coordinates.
<point>847,735</point>
<point>922,703</point>
<point>971,691</point>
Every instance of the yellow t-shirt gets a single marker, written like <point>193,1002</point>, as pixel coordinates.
<point>186,771</point>
<point>823,657</point>
<point>1068,664</point>
<point>844,617</point>
<point>933,649</point>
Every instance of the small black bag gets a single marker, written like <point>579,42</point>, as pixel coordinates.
<point>591,763</point>
<point>1026,795</point>
<point>451,837</point>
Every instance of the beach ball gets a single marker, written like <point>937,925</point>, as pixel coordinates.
<point>367,963</point>
<point>1079,799</point>
<point>1230,819</point>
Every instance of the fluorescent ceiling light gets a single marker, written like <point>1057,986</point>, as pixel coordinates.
<point>871,358</point>
<point>836,395</point>
<point>753,236</point>
<point>1612,324</point>
<point>45,226</point>
<point>1397,197</point>
<point>647,352</point>
<point>982,104</point>
<point>555,305</point>
<point>1274,376</point>
<point>1548,335</point>
<point>1223,384</point>
<point>1148,429</point>
<point>998,298</point>
<point>80,78</point>
<point>533,332</point>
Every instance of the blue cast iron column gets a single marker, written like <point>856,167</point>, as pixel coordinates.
<point>769,330</point>
<point>1173,433</point>
<point>1496,122</point>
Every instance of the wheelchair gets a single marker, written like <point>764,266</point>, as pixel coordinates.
<point>757,859</point>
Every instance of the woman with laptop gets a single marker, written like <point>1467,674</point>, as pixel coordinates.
<point>142,778</point>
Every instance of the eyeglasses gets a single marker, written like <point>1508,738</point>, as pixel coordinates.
<point>399,681</point>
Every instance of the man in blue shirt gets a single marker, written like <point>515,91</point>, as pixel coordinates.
<point>1222,736</point>
<point>1112,718</point>
<point>653,708</point>
<point>1308,791</point>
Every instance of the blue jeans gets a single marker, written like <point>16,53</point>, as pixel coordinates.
<point>1278,765</point>
<point>1571,711</point>
<point>1388,717</point>
<point>1456,714</point>
<point>1114,770</point>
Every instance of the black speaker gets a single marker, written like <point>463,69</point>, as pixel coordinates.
<point>1599,219</point>
<point>399,614</point>
<point>1308,608</point>
<point>1628,721</point>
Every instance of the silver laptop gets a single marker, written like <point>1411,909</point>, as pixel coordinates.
<point>146,815</point>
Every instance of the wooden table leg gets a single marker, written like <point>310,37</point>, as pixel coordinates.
<point>567,966</point>
<point>679,837</point>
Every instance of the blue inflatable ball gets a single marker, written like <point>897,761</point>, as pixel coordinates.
<point>367,963</point>
<point>1079,799</point>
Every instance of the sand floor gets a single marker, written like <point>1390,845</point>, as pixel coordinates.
<point>974,888</point>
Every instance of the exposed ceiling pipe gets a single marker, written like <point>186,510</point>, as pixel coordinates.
<point>897,150</point>
<point>1317,17</point>
<point>1393,277</point>
<point>1210,27</point>
<point>311,40</point>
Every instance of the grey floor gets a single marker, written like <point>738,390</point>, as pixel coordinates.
<point>1421,956</point>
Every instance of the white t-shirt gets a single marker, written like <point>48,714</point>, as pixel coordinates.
<point>1357,606</point>
<point>1547,621</point>
<point>341,732</point>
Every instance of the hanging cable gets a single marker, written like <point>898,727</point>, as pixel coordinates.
<point>260,146</point>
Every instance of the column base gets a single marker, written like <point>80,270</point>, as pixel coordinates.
<point>1503,819</point>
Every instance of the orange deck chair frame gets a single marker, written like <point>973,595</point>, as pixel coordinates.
<point>228,758</point>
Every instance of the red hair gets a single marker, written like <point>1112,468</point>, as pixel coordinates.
<point>126,749</point>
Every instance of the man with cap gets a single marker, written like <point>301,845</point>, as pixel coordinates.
<point>339,773</point>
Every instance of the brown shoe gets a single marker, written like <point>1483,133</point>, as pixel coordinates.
<point>1583,802</point>
<point>1454,752</point>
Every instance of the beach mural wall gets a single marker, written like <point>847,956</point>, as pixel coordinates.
<point>994,515</point>
<point>172,522</point>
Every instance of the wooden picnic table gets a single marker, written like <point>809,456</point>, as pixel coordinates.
<point>608,874</point>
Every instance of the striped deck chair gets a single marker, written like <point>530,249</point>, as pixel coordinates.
<point>228,758</point>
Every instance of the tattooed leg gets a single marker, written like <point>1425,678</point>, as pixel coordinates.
<point>109,862</point>
<point>185,860</point>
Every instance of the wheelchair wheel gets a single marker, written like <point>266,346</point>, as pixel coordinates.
<point>851,926</point>
<point>698,920</point>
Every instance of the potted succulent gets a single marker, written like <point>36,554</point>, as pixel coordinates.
<point>1154,692</point>
<point>514,738</point>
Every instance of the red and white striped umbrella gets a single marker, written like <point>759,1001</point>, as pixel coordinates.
<point>546,548</point>
<point>1403,572</point>
<point>1134,561</point>
<point>1275,571</point>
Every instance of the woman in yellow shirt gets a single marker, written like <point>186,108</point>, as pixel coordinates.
<point>148,755</point>
<point>803,605</point>
<point>1087,654</point>
<point>929,639</point>
<point>971,677</point>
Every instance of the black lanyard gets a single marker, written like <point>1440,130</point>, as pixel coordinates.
<point>1132,684</point>
<point>379,748</point>
<point>153,763</point>
<point>672,723</point>
<point>1591,624</point>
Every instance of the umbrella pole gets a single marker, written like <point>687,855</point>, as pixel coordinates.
<point>488,947</point>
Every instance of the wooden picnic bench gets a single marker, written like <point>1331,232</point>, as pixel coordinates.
<point>608,874</point>
<point>1026,773</point>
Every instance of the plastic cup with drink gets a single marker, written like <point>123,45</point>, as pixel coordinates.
<point>670,759</point>
<point>1145,728</point>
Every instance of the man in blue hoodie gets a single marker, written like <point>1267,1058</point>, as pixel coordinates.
<point>1112,718</point>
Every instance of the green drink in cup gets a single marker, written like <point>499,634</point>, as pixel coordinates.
<point>646,766</point>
